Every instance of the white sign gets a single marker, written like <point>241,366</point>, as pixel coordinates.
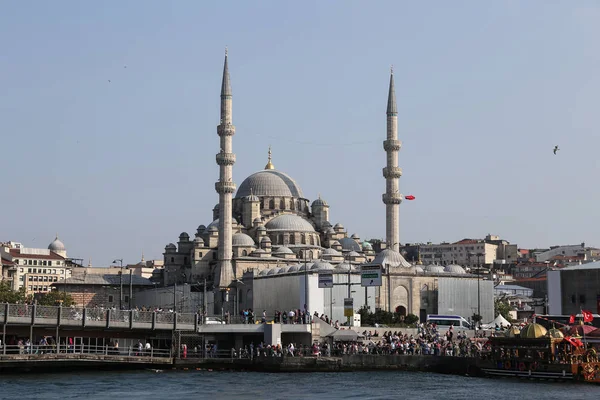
<point>370,275</point>
<point>326,279</point>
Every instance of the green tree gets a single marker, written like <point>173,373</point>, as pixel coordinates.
<point>55,298</point>
<point>8,295</point>
<point>502,307</point>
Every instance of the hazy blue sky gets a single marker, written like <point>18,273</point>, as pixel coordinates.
<point>485,90</point>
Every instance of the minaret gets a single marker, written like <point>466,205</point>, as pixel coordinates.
<point>225,186</point>
<point>392,197</point>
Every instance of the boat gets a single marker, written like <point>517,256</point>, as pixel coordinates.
<point>537,353</point>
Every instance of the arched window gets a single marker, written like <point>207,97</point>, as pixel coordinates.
<point>312,240</point>
<point>280,239</point>
<point>272,204</point>
<point>244,253</point>
<point>172,259</point>
<point>292,204</point>
<point>292,239</point>
<point>303,239</point>
<point>282,204</point>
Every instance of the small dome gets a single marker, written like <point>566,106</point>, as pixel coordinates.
<point>435,269</point>
<point>263,272</point>
<point>533,331</point>
<point>216,207</point>
<point>241,239</point>
<point>391,258</point>
<point>258,252</point>
<point>170,246</point>
<point>344,267</point>
<point>329,231</point>
<point>266,239</point>
<point>321,265</point>
<point>293,268</point>
<point>349,244</point>
<point>183,237</point>
<point>213,229</point>
<point>215,223</point>
<point>201,229</point>
<point>261,229</point>
<point>331,252</point>
<point>283,250</point>
<point>257,220</point>
<point>319,202</point>
<point>419,269</point>
<point>355,236</point>
<point>252,197</point>
<point>198,242</point>
<point>272,271</point>
<point>367,246</point>
<point>289,222</point>
<point>455,269</point>
<point>56,245</point>
<point>326,225</point>
<point>302,268</point>
<point>354,254</point>
<point>338,226</point>
<point>281,270</point>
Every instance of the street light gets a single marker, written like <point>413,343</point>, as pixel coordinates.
<point>237,296</point>
<point>306,302</point>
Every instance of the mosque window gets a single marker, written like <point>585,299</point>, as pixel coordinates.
<point>303,238</point>
<point>50,263</point>
<point>282,204</point>
<point>280,239</point>
<point>312,240</point>
<point>172,259</point>
<point>244,253</point>
<point>292,204</point>
<point>200,255</point>
<point>110,298</point>
<point>292,239</point>
<point>214,255</point>
<point>272,204</point>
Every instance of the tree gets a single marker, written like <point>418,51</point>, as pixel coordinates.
<point>55,298</point>
<point>8,295</point>
<point>411,319</point>
<point>502,307</point>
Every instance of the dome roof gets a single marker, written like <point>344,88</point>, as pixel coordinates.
<point>367,246</point>
<point>212,229</point>
<point>344,267</point>
<point>302,268</point>
<point>215,223</point>
<point>289,222</point>
<point>319,202</point>
<point>293,268</point>
<point>281,270</point>
<point>283,250</point>
<point>266,239</point>
<point>355,236</point>
<point>349,244</point>
<point>329,230</point>
<point>201,229</point>
<point>339,226</point>
<point>354,254</point>
<point>533,331</point>
<point>263,272</point>
<point>272,271</point>
<point>391,257</point>
<point>455,269</point>
<point>198,241</point>
<point>257,220</point>
<point>419,269</point>
<point>56,245</point>
<point>269,182</point>
<point>435,269</point>
<point>241,239</point>
<point>332,252</point>
<point>321,265</point>
<point>261,229</point>
<point>170,246</point>
<point>252,198</point>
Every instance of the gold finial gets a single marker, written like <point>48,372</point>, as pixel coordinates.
<point>269,164</point>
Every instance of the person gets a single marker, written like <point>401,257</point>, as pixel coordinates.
<point>184,350</point>
<point>148,347</point>
<point>140,347</point>
<point>264,317</point>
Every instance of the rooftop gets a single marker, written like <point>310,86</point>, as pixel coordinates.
<point>104,280</point>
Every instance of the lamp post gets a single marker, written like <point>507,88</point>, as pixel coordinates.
<point>306,302</point>
<point>120,261</point>
<point>478,288</point>
<point>237,296</point>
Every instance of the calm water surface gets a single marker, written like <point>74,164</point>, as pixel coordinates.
<point>251,385</point>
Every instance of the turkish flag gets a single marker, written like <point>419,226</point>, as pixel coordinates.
<point>587,316</point>
<point>571,319</point>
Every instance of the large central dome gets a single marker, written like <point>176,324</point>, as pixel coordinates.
<point>269,182</point>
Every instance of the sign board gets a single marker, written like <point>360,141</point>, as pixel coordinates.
<point>326,279</point>
<point>370,275</point>
<point>348,307</point>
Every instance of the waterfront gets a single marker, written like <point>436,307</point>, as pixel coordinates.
<point>224,384</point>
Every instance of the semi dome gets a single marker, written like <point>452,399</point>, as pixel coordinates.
<point>533,331</point>
<point>349,244</point>
<point>241,239</point>
<point>391,258</point>
<point>435,269</point>
<point>289,222</point>
<point>271,183</point>
<point>455,269</point>
<point>56,245</point>
<point>331,252</point>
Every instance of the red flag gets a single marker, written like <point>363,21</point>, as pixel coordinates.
<point>409,197</point>
<point>572,319</point>
<point>587,316</point>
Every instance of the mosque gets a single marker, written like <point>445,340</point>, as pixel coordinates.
<point>270,231</point>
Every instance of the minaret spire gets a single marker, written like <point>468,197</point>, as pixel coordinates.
<point>392,197</point>
<point>225,188</point>
<point>269,164</point>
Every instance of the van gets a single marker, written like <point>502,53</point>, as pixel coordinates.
<point>449,320</point>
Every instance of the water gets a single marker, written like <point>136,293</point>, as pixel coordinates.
<point>252,385</point>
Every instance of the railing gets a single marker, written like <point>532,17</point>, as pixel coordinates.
<point>32,351</point>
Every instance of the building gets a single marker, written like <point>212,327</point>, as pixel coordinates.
<point>580,251</point>
<point>267,226</point>
<point>96,290</point>
<point>34,269</point>
<point>573,289</point>
<point>470,252</point>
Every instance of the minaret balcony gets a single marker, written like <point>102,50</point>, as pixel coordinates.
<point>392,198</point>
<point>225,187</point>
<point>392,172</point>
<point>392,145</point>
<point>226,130</point>
<point>225,158</point>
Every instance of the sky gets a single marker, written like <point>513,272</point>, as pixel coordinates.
<point>485,91</point>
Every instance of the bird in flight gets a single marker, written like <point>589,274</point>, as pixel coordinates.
<point>109,81</point>
<point>556,149</point>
